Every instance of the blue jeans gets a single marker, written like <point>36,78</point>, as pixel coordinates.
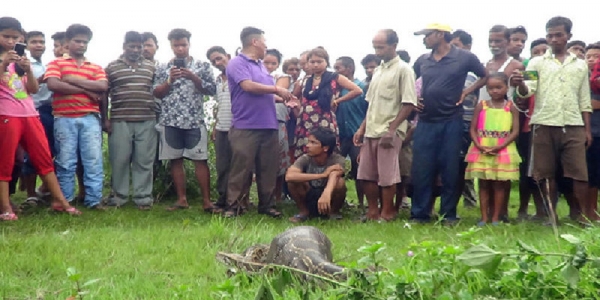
<point>436,149</point>
<point>83,134</point>
<point>47,120</point>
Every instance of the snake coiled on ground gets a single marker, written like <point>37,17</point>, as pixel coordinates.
<point>303,248</point>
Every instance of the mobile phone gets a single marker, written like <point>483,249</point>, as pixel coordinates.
<point>20,49</point>
<point>179,63</point>
<point>530,75</point>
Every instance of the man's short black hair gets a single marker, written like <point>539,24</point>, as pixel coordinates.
<point>218,49</point>
<point>370,58</point>
<point>501,29</point>
<point>78,29</point>
<point>178,34</point>
<point>540,41</point>
<point>59,36</point>
<point>149,35</point>
<point>403,54</point>
<point>248,33</point>
<point>347,62</point>
<point>464,37</point>
<point>133,37</point>
<point>518,29</point>
<point>576,43</point>
<point>326,137</point>
<point>10,23</point>
<point>33,34</point>
<point>560,21</point>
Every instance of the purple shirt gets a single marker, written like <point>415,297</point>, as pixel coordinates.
<point>250,111</point>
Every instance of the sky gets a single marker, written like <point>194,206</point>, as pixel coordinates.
<point>344,28</point>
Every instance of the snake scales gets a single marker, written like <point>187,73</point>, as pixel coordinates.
<point>304,248</point>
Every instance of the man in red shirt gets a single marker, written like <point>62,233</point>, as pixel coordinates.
<point>78,86</point>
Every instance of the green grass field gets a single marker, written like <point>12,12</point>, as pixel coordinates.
<point>168,255</point>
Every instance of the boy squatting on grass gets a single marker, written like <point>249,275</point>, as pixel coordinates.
<point>315,180</point>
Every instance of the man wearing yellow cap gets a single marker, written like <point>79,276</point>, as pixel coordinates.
<point>438,136</point>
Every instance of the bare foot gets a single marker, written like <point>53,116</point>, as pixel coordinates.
<point>389,217</point>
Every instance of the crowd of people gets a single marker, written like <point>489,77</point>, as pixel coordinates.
<point>417,133</point>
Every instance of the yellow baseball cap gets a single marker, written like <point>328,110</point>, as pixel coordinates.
<point>434,27</point>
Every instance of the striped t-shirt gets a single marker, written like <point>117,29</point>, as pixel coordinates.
<point>76,105</point>
<point>223,99</point>
<point>130,90</point>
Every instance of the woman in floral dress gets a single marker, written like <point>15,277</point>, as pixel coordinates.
<point>317,106</point>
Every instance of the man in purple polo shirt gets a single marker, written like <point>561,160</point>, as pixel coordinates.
<point>254,134</point>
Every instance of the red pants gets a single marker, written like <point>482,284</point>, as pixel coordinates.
<point>29,133</point>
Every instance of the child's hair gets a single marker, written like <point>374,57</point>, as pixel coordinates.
<point>370,58</point>
<point>540,41</point>
<point>10,23</point>
<point>595,46</point>
<point>326,137</point>
<point>501,76</point>
<point>275,53</point>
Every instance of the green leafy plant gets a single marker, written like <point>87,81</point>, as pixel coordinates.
<point>79,289</point>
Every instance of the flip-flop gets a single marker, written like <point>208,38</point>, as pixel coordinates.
<point>298,218</point>
<point>214,210</point>
<point>8,217</point>
<point>232,213</point>
<point>71,210</point>
<point>175,207</point>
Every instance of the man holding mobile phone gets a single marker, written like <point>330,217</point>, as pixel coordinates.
<point>182,84</point>
<point>561,118</point>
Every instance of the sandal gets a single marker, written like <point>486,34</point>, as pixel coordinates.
<point>72,211</point>
<point>41,194</point>
<point>8,217</point>
<point>298,218</point>
<point>214,210</point>
<point>232,213</point>
<point>273,213</point>
<point>30,203</point>
<point>176,206</point>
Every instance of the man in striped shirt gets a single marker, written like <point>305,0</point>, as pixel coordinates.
<point>220,133</point>
<point>78,85</point>
<point>132,137</point>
